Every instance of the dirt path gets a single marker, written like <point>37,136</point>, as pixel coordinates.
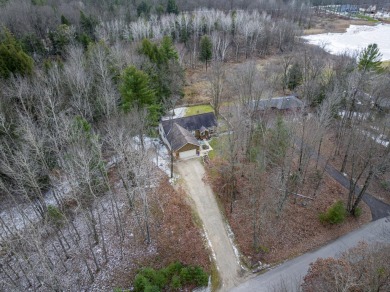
<point>192,172</point>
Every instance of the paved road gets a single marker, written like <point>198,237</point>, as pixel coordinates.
<point>192,171</point>
<point>378,208</point>
<point>287,276</point>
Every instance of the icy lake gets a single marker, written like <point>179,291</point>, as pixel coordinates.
<point>354,39</point>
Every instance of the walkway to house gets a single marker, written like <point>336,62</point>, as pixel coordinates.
<point>192,171</point>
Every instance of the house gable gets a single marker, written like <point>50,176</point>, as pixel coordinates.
<point>179,137</point>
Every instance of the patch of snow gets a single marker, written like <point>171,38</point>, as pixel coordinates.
<point>179,112</point>
<point>356,38</point>
<point>362,116</point>
<point>380,139</point>
<point>210,246</point>
<point>161,157</point>
<point>235,249</point>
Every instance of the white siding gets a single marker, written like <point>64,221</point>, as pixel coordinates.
<point>187,154</point>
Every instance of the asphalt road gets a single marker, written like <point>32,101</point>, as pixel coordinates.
<point>378,208</point>
<point>287,276</point>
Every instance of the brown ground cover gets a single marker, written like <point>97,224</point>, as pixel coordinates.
<point>175,237</point>
<point>333,24</point>
<point>297,229</point>
<point>380,184</point>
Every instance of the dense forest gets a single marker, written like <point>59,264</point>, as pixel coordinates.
<point>83,85</point>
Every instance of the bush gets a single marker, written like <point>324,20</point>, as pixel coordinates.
<point>335,214</point>
<point>358,212</point>
<point>199,276</point>
<point>173,269</point>
<point>176,283</point>
<point>185,275</point>
<point>385,185</point>
<point>140,283</point>
<point>152,289</point>
<point>174,276</point>
<point>54,215</point>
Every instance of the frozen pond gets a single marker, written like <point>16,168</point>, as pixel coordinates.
<point>355,39</point>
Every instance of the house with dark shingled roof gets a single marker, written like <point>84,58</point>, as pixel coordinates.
<point>181,135</point>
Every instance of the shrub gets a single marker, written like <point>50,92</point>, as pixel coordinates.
<point>176,283</point>
<point>358,212</point>
<point>54,215</point>
<point>173,276</point>
<point>152,289</point>
<point>199,276</point>
<point>185,275</point>
<point>173,269</point>
<point>140,283</point>
<point>385,185</point>
<point>335,214</point>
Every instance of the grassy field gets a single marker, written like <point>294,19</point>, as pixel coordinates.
<point>214,144</point>
<point>366,17</point>
<point>199,109</point>
<point>386,65</point>
<point>219,145</point>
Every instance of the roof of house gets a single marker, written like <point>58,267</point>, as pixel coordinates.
<point>281,103</point>
<point>179,137</point>
<point>192,123</point>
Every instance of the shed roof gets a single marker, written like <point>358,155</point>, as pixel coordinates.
<point>179,137</point>
<point>192,123</point>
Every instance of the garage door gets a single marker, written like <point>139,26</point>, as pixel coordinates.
<point>187,154</point>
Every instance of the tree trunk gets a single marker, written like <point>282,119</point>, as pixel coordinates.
<point>361,193</point>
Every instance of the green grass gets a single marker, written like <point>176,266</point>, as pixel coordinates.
<point>366,17</point>
<point>386,65</point>
<point>216,145</point>
<point>215,279</point>
<point>219,145</point>
<point>199,109</point>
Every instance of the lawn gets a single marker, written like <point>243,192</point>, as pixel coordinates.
<point>214,144</point>
<point>219,145</point>
<point>366,17</point>
<point>386,65</point>
<point>198,109</point>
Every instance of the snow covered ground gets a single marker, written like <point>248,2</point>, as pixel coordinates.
<point>354,39</point>
<point>362,116</point>
<point>179,113</point>
<point>161,157</point>
<point>380,139</point>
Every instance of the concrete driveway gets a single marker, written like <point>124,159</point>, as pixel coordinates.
<point>192,172</point>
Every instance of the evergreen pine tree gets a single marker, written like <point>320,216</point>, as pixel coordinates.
<point>135,89</point>
<point>13,60</point>
<point>370,59</point>
<point>294,76</point>
<point>172,7</point>
<point>206,47</point>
